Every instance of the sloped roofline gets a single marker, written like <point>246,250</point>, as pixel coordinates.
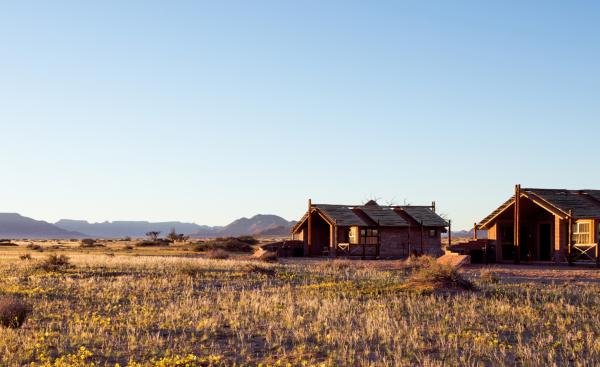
<point>331,221</point>
<point>305,218</point>
<point>528,194</point>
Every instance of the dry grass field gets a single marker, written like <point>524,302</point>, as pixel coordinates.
<point>117,305</point>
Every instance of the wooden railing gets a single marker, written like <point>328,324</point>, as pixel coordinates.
<point>357,250</point>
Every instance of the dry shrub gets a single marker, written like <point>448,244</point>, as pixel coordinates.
<point>433,277</point>
<point>90,242</point>
<point>7,243</point>
<point>231,244</point>
<point>217,254</point>
<point>257,269</point>
<point>35,247</point>
<point>56,263</point>
<point>13,312</point>
<point>417,262</point>
<point>25,257</point>
<point>154,243</point>
<point>488,276</point>
<point>190,269</point>
<point>128,247</point>
<point>269,257</point>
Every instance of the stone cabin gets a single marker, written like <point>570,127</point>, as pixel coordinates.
<point>370,231</point>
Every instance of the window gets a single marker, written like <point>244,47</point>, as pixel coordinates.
<point>353,235</point>
<point>582,233</point>
<point>369,236</point>
<point>433,233</point>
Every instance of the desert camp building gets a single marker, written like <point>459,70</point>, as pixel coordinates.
<point>370,230</point>
<point>545,225</point>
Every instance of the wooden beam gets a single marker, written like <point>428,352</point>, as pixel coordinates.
<point>569,236</point>
<point>409,244</point>
<point>475,231</point>
<point>422,229</point>
<point>310,229</point>
<point>449,232</point>
<point>517,224</point>
<point>378,239</point>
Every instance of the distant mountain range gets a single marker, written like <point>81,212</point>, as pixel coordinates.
<point>466,234</point>
<point>13,225</point>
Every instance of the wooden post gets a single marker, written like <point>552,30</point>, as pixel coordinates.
<point>449,232</point>
<point>475,232</point>
<point>570,237</point>
<point>310,229</point>
<point>409,245</point>
<point>422,237</point>
<point>333,251</point>
<point>517,224</point>
<point>378,239</point>
<point>364,245</point>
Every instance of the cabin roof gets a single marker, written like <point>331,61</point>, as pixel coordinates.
<point>372,214</point>
<point>342,214</point>
<point>384,216</point>
<point>425,215</point>
<point>582,204</point>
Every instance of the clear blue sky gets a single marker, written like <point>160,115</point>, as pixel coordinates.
<point>208,111</point>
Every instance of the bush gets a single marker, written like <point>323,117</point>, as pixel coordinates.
<point>261,270</point>
<point>35,247</point>
<point>488,276</point>
<point>269,256</point>
<point>13,312</point>
<point>128,247</point>
<point>88,242</point>
<point>7,242</point>
<point>153,243</point>
<point>217,254</point>
<point>56,263</point>
<point>434,277</point>
<point>248,239</point>
<point>25,257</point>
<point>231,244</point>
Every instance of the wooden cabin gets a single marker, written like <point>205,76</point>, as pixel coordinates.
<point>370,230</point>
<point>545,225</point>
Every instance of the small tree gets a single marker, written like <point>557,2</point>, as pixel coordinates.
<point>153,235</point>
<point>177,237</point>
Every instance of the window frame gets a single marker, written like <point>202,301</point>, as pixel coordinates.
<point>580,236</point>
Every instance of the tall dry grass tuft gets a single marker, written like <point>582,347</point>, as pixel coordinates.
<point>56,263</point>
<point>488,276</point>
<point>432,276</point>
